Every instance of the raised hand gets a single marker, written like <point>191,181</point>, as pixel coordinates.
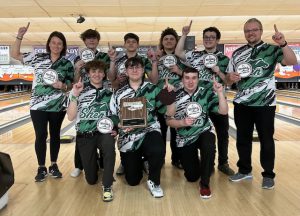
<point>218,88</point>
<point>77,88</point>
<point>168,86</point>
<point>278,37</point>
<point>186,29</point>
<point>111,53</point>
<point>22,31</point>
<point>151,54</point>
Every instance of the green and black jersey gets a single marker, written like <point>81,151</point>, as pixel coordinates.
<point>45,97</point>
<point>164,72</point>
<point>258,89</point>
<point>208,102</point>
<point>101,56</point>
<point>195,59</point>
<point>132,140</point>
<point>120,66</point>
<point>92,105</point>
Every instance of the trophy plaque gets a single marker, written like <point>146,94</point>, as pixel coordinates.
<point>133,112</point>
<point>105,125</point>
<point>193,110</point>
<point>50,76</point>
<point>244,69</point>
<point>170,60</point>
<point>210,60</point>
<point>87,55</point>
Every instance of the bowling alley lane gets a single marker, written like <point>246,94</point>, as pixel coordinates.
<point>13,114</point>
<point>24,98</point>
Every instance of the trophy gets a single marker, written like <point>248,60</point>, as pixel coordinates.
<point>210,60</point>
<point>193,110</point>
<point>244,69</point>
<point>87,55</point>
<point>169,60</point>
<point>133,112</point>
<point>105,125</point>
<point>50,76</point>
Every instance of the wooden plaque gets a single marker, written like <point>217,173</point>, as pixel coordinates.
<point>133,112</point>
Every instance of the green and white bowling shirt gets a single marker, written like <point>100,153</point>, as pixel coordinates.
<point>101,56</point>
<point>195,59</point>
<point>92,105</point>
<point>120,66</point>
<point>207,102</point>
<point>132,140</point>
<point>45,97</point>
<point>258,89</point>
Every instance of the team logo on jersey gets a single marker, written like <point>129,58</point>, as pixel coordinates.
<point>169,61</point>
<point>87,55</point>
<point>105,125</point>
<point>210,60</point>
<point>50,76</point>
<point>193,110</point>
<point>244,69</point>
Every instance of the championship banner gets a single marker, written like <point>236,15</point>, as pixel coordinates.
<point>4,54</point>
<point>16,72</point>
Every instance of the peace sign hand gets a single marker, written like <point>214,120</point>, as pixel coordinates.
<point>278,37</point>
<point>22,31</point>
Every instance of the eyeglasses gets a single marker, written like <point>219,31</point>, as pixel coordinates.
<point>247,31</point>
<point>138,67</point>
<point>209,38</point>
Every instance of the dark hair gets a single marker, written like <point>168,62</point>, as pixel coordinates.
<point>189,70</point>
<point>61,37</point>
<point>95,64</point>
<point>167,31</point>
<point>134,61</point>
<point>90,33</point>
<point>132,36</point>
<point>213,29</point>
<point>255,20</point>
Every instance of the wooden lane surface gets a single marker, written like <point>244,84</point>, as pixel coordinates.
<point>21,99</point>
<point>283,109</point>
<point>12,94</point>
<point>23,134</point>
<point>13,114</point>
<point>74,197</point>
<point>295,93</point>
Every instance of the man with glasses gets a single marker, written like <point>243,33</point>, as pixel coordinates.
<point>211,38</point>
<point>134,143</point>
<point>252,69</point>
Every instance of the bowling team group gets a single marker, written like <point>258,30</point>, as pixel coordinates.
<point>131,100</point>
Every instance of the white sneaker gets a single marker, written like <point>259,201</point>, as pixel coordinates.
<point>120,170</point>
<point>76,172</point>
<point>155,190</point>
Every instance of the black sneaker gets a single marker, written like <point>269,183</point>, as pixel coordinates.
<point>225,168</point>
<point>54,171</point>
<point>41,174</point>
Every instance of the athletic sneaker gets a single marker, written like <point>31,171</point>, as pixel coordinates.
<point>155,190</point>
<point>41,174</point>
<point>54,171</point>
<point>268,183</point>
<point>120,170</point>
<point>225,168</point>
<point>76,172</point>
<point>239,177</point>
<point>107,194</point>
<point>205,192</point>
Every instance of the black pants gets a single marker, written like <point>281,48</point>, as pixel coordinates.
<point>87,147</point>
<point>245,118</point>
<point>153,149</point>
<point>221,124</point>
<point>164,129</point>
<point>192,166</point>
<point>40,121</point>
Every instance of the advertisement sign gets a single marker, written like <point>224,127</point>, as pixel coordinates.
<point>4,54</point>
